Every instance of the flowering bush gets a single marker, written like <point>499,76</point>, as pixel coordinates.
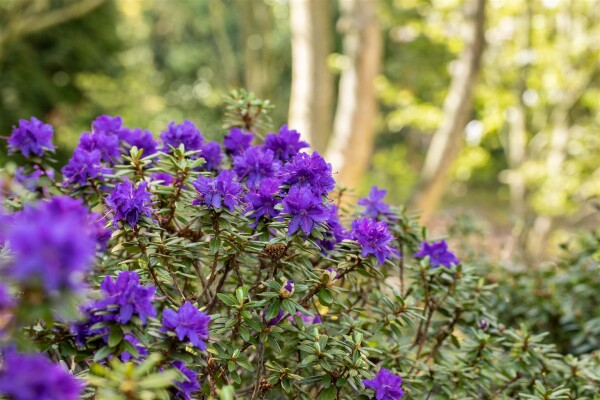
<point>181,270</point>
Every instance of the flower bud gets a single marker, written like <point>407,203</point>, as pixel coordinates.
<point>287,289</point>
<point>329,276</point>
<point>483,324</point>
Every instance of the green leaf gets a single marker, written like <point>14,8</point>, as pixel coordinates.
<point>215,245</point>
<point>103,353</point>
<point>115,337</point>
<point>159,380</point>
<point>325,297</point>
<point>244,333</point>
<point>289,306</point>
<point>329,394</point>
<point>227,299</point>
<point>273,310</point>
<point>245,364</point>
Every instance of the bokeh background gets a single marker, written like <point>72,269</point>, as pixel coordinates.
<point>484,115</point>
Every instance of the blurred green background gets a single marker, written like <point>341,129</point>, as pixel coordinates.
<point>482,112</point>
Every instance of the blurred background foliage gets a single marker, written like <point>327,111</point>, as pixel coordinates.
<point>527,168</point>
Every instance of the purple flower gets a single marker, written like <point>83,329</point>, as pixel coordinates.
<point>219,191</point>
<point>336,232</point>
<point>32,137</point>
<point>165,177</point>
<point>34,377</point>
<point>127,356</point>
<point>254,165</point>
<point>101,232</point>
<point>374,205</point>
<point>309,171</point>
<point>52,245</point>
<point>108,125</point>
<point>106,142</point>
<point>305,208</point>
<point>28,181</point>
<point>83,166</point>
<point>82,329</point>
<point>211,152</point>
<point>142,139</point>
<point>286,144</point>
<point>188,322</point>
<point>374,238</point>
<point>438,254</point>
<point>189,385</point>
<point>125,297</point>
<point>185,133</point>
<point>262,200</point>
<point>236,141</point>
<point>386,385</point>
<point>128,203</point>
<point>275,320</point>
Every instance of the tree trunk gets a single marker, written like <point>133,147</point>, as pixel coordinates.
<point>351,145</point>
<point>447,140</point>
<point>311,100</point>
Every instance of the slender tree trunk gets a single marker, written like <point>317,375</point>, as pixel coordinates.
<point>311,100</point>
<point>351,145</point>
<point>447,140</point>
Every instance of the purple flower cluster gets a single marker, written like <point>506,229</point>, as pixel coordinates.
<point>254,165</point>
<point>236,141</point>
<point>211,152</point>
<point>106,142</point>
<point>374,206</point>
<point>374,238</point>
<point>34,377</point>
<point>83,166</point>
<point>29,181</point>
<point>185,133</point>
<point>128,203</point>
<point>125,297</point>
<point>386,385</point>
<point>438,254</point>
<point>309,171</point>
<point>286,144</point>
<point>53,245</point>
<point>188,322</point>
<point>261,201</point>
<point>31,137</point>
<point>142,139</point>
<point>305,208</point>
<point>218,192</point>
<point>188,386</point>
<point>100,149</point>
<point>336,232</point>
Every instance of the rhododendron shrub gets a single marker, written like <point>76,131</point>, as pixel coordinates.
<point>179,269</point>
